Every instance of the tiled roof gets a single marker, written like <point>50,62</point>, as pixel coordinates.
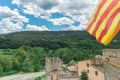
<point>114,61</point>
<point>72,68</point>
<point>69,76</point>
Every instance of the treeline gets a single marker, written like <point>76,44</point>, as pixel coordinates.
<point>51,40</point>
<point>24,59</point>
<point>30,59</point>
<point>54,40</point>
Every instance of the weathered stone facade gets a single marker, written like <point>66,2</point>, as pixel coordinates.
<point>112,64</point>
<point>53,64</point>
<point>54,71</point>
<point>111,52</point>
<point>94,72</point>
<point>112,72</point>
<point>97,61</point>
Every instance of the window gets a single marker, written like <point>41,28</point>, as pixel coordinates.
<point>87,64</point>
<point>88,71</point>
<point>96,73</point>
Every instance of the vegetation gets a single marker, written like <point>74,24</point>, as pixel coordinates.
<point>30,59</point>
<point>26,51</point>
<point>71,63</point>
<point>84,76</point>
<point>54,40</point>
<point>8,73</point>
<point>41,78</point>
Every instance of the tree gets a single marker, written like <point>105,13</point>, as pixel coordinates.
<point>65,54</point>
<point>16,64</point>
<point>72,62</point>
<point>37,55</point>
<point>28,65</point>
<point>1,68</point>
<point>84,76</point>
<point>20,55</point>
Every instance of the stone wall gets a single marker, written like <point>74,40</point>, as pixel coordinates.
<point>97,61</point>
<point>48,77</point>
<point>53,64</point>
<point>111,52</point>
<point>112,72</point>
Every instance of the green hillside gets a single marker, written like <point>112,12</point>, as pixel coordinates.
<point>54,40</point>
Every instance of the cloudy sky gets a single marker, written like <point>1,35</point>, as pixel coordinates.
<point>44,15</point>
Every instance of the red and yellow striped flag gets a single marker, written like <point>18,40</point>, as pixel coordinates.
<point>105,21</point>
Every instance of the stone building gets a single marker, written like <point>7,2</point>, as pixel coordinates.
<point>106,67</point>
<point>111,52</point>
<point>112,64</point>
<point>54,71</point>
<point>97,60</point>
<point>68,77</point>
<point>112,71</point>
<point>53,65</point>
<point>94,72</point>
<point>72,70</point>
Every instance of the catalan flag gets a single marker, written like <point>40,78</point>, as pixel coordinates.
<point>105,21</point>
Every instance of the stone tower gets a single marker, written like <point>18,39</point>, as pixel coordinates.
<point>52,64</point>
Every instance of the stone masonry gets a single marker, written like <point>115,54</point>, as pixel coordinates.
<point>112,64</point>
<point>112,72</point>
<point>52,64</point>
<point>111,52</point>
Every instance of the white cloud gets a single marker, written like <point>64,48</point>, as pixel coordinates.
<point>47,4</point>
<point>72,28</point>
<point>77,10</point>
<point>62,21</point>
<point>7,26</point>
<point>75,28</point>
<point>67,7</point>
<point>16,2</point>
<point>4,31</point>
<point>36,28</point>
<point>11,20</point>
<point>6,12</point>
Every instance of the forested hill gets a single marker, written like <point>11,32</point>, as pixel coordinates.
<point>54,40</point>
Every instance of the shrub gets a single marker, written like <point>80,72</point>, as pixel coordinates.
<point>27,65</point>
<point>84,76</point>
<point>1,68</point>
